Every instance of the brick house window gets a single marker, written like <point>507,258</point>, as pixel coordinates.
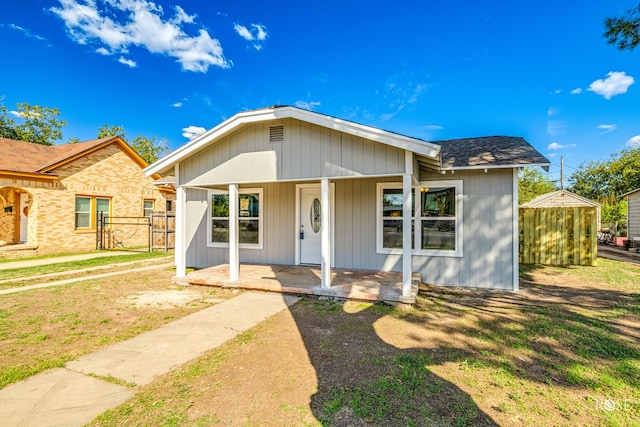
<point>87,208</point>
<point>148,207</point>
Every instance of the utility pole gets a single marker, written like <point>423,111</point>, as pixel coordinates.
<point>562,172</point>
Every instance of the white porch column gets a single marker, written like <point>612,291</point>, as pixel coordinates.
<point>325,245</point>
<point>180,245</point>
<point>407,181</point>
<point>234,236</point>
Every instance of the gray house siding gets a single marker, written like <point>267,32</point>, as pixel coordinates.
<point>488,238</point>
<point>487,260</point>
<point>634,214</point>
<point>308,152</point>
<point>278,228</point>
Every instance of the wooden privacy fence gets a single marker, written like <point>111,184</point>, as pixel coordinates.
<point>558,235</point>
<point>163,231</point>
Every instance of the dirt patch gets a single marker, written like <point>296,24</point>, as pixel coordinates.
<point>166,299</point>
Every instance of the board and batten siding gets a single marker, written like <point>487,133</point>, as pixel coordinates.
<point>634,214</point>
<point>308,152</point>
<point>488,235</point>
<point>278,216</point>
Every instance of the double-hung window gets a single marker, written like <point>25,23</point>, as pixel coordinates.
<point>249,223</point>
<point>436,218</point>
<point>147,207</point>
<point>87,208</point>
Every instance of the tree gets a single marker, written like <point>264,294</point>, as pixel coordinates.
<point>150,149</point>
<point>107,130</point>
<point>38,124</point>
<point>533,183</point>
<point>624,32</point>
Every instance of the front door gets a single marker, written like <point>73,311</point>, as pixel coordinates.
<point>24,216</point>
<point>310,225</point>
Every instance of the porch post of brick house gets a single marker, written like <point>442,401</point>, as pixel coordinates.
<point>407,182</point>
<point>180,247</point>
<point>234,237</point>
<point>325,245</point>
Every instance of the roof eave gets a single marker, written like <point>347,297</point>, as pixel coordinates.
<point>509,166</point>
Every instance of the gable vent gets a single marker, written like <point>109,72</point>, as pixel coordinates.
<point>276,133</point>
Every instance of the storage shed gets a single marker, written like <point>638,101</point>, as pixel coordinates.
<point>559,228</point>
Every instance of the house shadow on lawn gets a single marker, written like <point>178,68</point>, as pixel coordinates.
<point>376,365</point>
<point>364,381</point>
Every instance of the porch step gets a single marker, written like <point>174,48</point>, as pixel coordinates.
<point>18,251</point>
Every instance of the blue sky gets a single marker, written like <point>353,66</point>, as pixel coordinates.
<point>432,70</point>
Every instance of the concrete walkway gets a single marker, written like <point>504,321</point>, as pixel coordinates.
<point>70,397</point>
<point>59,259</point>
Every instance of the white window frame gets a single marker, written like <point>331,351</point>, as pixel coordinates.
<point>260,219</point>
<point>416,219</point>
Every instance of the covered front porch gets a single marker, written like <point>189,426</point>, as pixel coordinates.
<point>349,284</point>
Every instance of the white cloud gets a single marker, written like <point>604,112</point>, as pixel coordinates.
<point>257,33</point>
<point>115,25</point>
<point>193,131</point>
<point>131,63</point>
<point>616,83</point>
<point>556,146</point>
<point>552,111</point>
<point>27,32</point>
<point>307,105</point>
<point>576,91</point>
<point>177,104</point>
<point>103,51</point>
<point>550,155</point>
<point>607,128</point>
<point>433,127</point>
<point>633,142</point>
<point>556,91</point>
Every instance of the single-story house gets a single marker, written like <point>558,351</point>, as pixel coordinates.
<point>49,195</point>
<point>633,215</point>
<point>282,185</point>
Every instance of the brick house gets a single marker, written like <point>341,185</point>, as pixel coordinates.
<point>49,195</point>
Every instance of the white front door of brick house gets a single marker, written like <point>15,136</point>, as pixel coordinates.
<point>24,216</point>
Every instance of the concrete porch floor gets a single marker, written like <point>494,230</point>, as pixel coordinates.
<point>305,280</point>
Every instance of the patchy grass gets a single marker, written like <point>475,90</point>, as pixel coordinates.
<point>44,328</point>
<point>566,348</point>
<point>15,274</point>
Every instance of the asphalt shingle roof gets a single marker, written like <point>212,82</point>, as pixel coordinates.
<point>490,151</point>
<point>27,157</point>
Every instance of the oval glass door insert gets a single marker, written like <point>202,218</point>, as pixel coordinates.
<point>315,215</point>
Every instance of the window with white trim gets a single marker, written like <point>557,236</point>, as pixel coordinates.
<point>249,222</point>
<point>436,221</point>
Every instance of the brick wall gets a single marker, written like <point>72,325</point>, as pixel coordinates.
<point>108,172</point>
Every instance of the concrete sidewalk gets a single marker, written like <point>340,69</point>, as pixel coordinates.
<point>69,397</point>
<point>59,259</point>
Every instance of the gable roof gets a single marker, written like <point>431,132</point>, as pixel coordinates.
<point>629,192</point>
<point>489,152</point>
<point>559,198</point>
<point>29,158</point>
<point>468,153</point>
<point>166,164</point>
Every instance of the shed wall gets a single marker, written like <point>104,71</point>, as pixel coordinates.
<point>634,214</point>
